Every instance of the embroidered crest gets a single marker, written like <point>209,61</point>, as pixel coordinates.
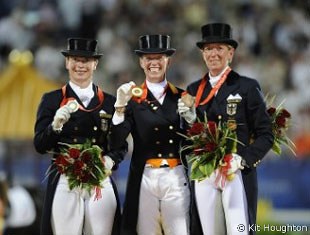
<point>232,103</point>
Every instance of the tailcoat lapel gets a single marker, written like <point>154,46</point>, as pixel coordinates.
<point>166,110</point>
<point>227,88</point>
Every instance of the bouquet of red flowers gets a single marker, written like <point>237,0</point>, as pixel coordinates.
<point>280,119</point>
<point>211,146</point>
<point>82,164</point>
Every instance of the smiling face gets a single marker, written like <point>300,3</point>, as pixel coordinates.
<point>217,56</point>
<point>81,69</point>
<point>154,66</point>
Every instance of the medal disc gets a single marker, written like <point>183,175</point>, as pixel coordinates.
<point>73,105</point>
<point>137,91</point>
<point>188,100</point>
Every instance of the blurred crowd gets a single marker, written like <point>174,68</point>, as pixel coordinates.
<point>273,34</point>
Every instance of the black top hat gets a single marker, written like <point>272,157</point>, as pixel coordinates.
<point>154,44</point>
<point>83,47</point>
<point>217,32</point>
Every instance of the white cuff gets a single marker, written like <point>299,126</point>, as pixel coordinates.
<point>118,118</point>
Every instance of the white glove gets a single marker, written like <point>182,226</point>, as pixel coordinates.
<point>188,113</point>
<point>235,164</point>
<point>61,117</point>
<point>108,162</point>
<point>123,94</point>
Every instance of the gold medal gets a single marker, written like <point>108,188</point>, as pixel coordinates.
<point>73,106</point>
<point>137,91</point>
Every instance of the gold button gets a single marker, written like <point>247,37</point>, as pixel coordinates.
<point>95,128</point>
<point>170,154</point>
<point>157,142</point>
<point>171,127</point>
<point>93,140</point>
<point>156,129</point>
<point>76,128</point>
<point>170,141</point>
<point>159,155</point>
<point>75,140</point>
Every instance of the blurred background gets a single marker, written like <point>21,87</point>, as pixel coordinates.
<point>273,48</point>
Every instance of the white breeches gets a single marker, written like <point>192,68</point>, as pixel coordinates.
<point>164,202</point>
<point>222,210</point>
<point>76,212</point>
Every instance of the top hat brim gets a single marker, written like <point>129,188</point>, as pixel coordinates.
<point>81,54</point>
<point>168,52</point>
<point>230,42</point>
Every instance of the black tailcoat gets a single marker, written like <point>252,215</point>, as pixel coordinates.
<point>253,124</point>
<point>81,126</point>
<point>154,129</point>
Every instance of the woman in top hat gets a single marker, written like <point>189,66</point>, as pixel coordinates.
<point>224,94</point>
<point>76,212</point>
<point>157,198</point>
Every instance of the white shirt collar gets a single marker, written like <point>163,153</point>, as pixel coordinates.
<point>157,89</point>
<point>84,94</point>
<point>214,79</point>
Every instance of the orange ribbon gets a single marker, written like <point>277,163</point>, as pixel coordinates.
<point>203,84</point>
<point>65,99</point>
<point>144,93</point>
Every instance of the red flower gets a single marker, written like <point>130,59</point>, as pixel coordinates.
<point>74,153</point>
<point>78,165</point>
<point>85,178</point>
<point>81,164</point>
<point>281,121</point>
<point>61,163</point>
<point>196,129</point>
<point>271,111</point>
<point>209,142</point>
<point>86,157</point>
<point>62,160</point>
<point>210,147</point>
<point>285,113</point>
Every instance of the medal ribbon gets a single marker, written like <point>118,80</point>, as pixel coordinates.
<point>65,99</point>
<point>144,93</point>
<point>203,84</point>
